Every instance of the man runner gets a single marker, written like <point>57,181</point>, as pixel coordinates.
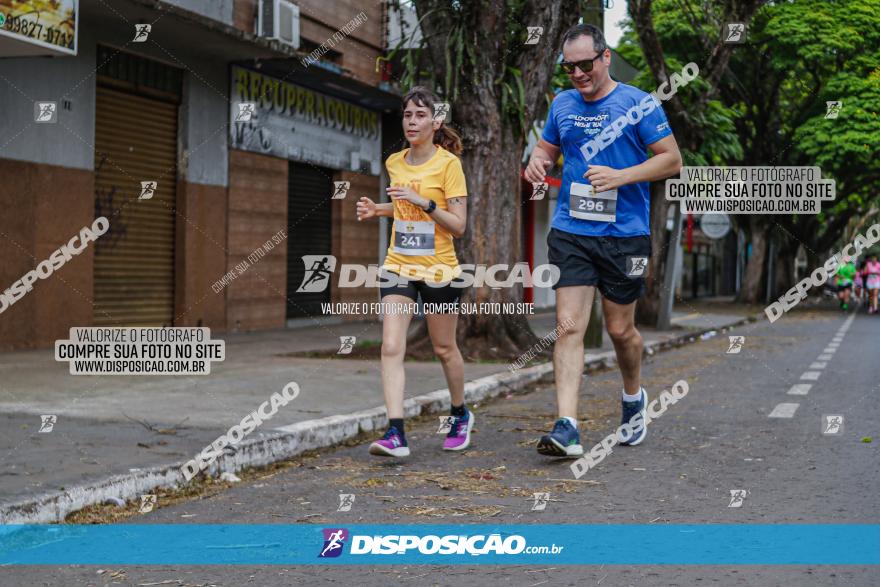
<point>600,233</point>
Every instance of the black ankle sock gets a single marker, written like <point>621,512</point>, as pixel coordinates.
<point>457,411</point>
<point>397,423</point>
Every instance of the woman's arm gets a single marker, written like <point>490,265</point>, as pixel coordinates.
<point>455,218</point>
<point>386,209</point>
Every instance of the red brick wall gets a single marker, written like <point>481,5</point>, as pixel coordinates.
<point>44,206</point>
<point>257,210</point>
<point>243,14</point>
<point>353,241</point>
<point>201,255</point>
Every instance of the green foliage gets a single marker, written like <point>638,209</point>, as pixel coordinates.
<point>464,64</point>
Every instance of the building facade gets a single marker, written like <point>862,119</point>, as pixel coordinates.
<point>200,137</point>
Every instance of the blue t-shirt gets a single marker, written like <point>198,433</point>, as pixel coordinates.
<point>572,123</point>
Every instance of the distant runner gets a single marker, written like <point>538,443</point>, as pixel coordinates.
<point>845,274</point>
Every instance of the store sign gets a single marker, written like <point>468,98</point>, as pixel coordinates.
<point>286,120</point>
<point>51,25</point>
<point>715,226</point>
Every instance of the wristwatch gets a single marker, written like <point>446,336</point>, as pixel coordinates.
<point>431,207</point>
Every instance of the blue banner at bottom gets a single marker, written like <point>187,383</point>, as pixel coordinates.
<point>270,544</point>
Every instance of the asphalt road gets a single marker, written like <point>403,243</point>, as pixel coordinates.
<point>720,437</point>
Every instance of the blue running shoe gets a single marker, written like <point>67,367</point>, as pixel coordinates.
<point>630,409</point>
<point>563,441</point>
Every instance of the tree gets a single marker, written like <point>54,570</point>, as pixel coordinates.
<point>474,55</point>
<point>811,52</point>
<point>702,124</point>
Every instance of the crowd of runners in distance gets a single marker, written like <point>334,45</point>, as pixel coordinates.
<point>859,283</point>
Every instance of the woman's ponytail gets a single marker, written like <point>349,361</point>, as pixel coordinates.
<point>447,138</point>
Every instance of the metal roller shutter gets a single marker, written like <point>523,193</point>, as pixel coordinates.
<point>135,140</point>
<point>309,230</point>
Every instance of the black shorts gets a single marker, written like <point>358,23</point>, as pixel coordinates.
<point>415,288</point>
<point>616,265</point>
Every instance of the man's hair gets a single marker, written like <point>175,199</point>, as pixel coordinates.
<point>586,30</point>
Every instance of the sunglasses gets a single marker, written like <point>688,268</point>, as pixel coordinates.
<point>585,65</point>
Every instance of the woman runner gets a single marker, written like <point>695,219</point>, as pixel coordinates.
<point>872,282</point>
<point>429,208</point>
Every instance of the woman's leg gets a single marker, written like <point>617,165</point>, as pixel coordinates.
<point>441,328</point>
<point>394,330</point>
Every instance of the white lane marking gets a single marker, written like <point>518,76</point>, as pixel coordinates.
<point>837,338</point>
<point>783,411</point>
<point>829,351</point>
<point>811,375</point>
<point>833,345</point>
<point>824,357</point>
<point>800,389</point>
<point>818,365</point>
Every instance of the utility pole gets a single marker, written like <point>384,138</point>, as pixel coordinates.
<point>667,294</point>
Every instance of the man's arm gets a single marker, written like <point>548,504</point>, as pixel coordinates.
<point>544,156</point>
<point>666,162</point>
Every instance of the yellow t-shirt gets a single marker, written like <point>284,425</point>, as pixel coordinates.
<point>415,233</point>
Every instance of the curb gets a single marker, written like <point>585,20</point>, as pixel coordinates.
<point>302,436</point>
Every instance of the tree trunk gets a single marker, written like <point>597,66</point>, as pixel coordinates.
<point>648,306</point>
<point>752,292</point>
<point>785,270</point>
<point>494,144</point>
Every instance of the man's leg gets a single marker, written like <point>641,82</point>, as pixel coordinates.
<point>620,323</point>
<point>573,306</point>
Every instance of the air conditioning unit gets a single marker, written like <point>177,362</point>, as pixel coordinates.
<point>279,20</point>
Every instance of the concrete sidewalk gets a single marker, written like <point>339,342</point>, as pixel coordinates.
<point>123,427</point>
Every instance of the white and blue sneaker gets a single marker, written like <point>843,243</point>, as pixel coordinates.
<point>630,409</point>
<point>563,441</point>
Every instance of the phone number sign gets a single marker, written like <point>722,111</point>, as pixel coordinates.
<point>50,24</point>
